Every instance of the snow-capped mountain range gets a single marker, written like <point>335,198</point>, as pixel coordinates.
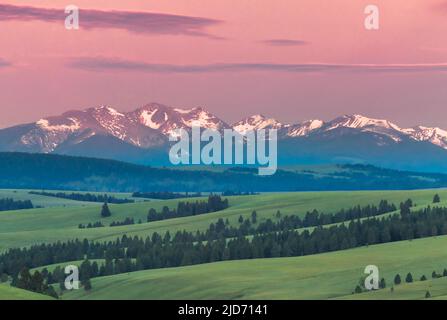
<point>150,126</point>
<point>147,126</point>
<point>433,135</point>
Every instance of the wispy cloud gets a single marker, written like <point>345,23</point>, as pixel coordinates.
<point>285,42</point>
<point>4,63</point>
<point>111,64</point>
<point>132,21</point>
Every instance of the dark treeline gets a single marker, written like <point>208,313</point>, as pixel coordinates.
<point>165,195</point>
<point>311,219</point>
<point>314,218</point>
<point>125,222</point>
<point>185,209</point>
<point>127,254</point>
<point>57,172</point>
<point>36,282</point>
<point>83,197</point>
<point>398,280</point>
<point>228,193</point>
<point>97,224</point>
<point>11,204</point>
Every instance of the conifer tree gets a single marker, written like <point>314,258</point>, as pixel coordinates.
<point>105,211</point>
<point>87,285</point>
<point>397,279</point>
<point>254,217</point>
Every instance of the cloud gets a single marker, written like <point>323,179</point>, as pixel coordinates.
<point>285,42</point>
<point>98,64</point>
<point>4,63</point>
<point>131,21</point>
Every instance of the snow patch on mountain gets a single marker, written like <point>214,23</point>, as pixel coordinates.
<point>152,124</point>
<point>366,124</point>
<point>303,129</point>
<point>146,119</point>
<point>199,117</point>
<point>183,110</point>
<point>45,125</point>
<point>256,122</point>
<point>434,135</point>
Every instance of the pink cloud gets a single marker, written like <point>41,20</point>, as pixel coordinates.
<point>113,64</point>
<point>131,21</point>
<point>4,63</point>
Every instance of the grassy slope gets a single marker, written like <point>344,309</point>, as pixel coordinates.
<point>39,200</point>
<point>48,201</point>
<point>10,293</point>
<point>21,228</point>
<point>323,276</point>
<point>407,291</point>
<point>62,265</point>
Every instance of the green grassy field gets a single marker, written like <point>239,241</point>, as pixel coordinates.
<point>48,201</point>
<point>324,276</point>
<point>10,293</point>
<point>408,291</point>
<point>40,201</point>
<point>26,227</point>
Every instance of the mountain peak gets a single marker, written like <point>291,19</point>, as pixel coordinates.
<point>304,128</point>
<point>357,121</point>
<point>152,123</point>
<point>167,119</point>
<point>434,135</point>
<point>256,122</point>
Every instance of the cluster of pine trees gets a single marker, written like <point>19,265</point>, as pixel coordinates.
<point>90,225</point>
<point>11,204</point>
<point>125,222</point>
<point>35,282</point>
<point>185,209</point>
<point>398,280</point>
<point>224,242</point>
<point>186,248</point>
<point>83,197</point>
<point>98,224</point>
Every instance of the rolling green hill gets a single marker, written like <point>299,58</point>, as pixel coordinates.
<point>40,201</point>
<point>322,276</point>
<point>26,227</point>
<point>11,293</point>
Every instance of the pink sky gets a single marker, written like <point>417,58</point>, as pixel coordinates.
<point>233,57</point>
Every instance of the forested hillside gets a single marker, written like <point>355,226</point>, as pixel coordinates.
<point>43,171</point>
